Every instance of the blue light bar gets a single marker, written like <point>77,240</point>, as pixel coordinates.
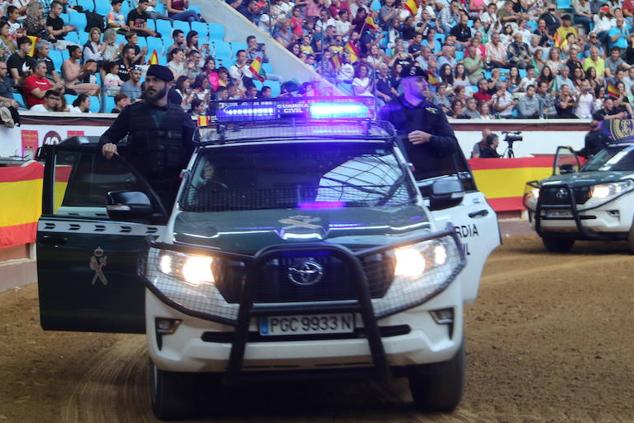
<point>306,109</point>
<point>339,111</point>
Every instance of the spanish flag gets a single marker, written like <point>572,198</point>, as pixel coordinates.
<point>336,61</point>
<point>613,91</point>
<point>411,6</point>
<point>153,58</point>
<point>203,120</point>
<point>369,22</point>
<point>353,51</point>
<point>256,68</point>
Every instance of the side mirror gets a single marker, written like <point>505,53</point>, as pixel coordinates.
<point>446,193</point>
<point>566,168</point>
<point>125,205</point>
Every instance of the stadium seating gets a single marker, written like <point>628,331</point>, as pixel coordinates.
<point>108,104</point>
<point>216,31</point>
<point>164,28</point>
<point>183,26</point>
<point>78,20</point>
<point>87,5</point>
<point>95,104</point>
<point>103,7</point>
<point>201,28</point>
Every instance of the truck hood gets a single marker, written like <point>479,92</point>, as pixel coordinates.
<point>580,179</point>
<point>249,231</point>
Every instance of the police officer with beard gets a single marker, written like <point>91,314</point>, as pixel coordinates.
<point>159,142</point>
<point>423,131</point>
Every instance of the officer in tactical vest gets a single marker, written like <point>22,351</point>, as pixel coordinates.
<point>159,142</point>
<point>424,134</point>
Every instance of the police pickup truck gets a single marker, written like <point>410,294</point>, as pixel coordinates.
<point>299,244</point>
<point>590,202</point>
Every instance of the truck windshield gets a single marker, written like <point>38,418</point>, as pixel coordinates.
<point>308,175</point>
<point>614,158</point>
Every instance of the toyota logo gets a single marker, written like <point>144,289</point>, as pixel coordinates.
<point>307,273</point>
<point>561,194</point>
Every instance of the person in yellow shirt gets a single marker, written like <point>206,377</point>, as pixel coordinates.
<point>565,29</point>
<point>595,61</point>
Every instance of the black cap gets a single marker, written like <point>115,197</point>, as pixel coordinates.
<point>113,2</point>
<point>412,71</point>
<point>161,72</point>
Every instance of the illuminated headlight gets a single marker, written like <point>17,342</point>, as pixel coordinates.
<point>604,191</point>
<point>420,271</point>
<point>195,270</point>
<point>187,281</point>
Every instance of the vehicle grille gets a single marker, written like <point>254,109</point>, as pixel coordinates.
<point>276,285</point>
<point>560,196</point>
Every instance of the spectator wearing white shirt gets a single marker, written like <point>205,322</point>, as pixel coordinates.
<point>503,102</point>
<point>585,101</point>
<point>529,79</point>
<point>343,25</point>
<point>362,84</point>
<point>52,99</point>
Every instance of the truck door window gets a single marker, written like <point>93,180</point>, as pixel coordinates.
<point>82,180</point>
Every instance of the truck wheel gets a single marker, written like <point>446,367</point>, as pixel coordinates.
<point>558,245</point>
<point>438,386</point>
<point>174,395</point>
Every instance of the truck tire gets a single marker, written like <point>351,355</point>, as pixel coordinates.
<point>555,244</point>
<point>630,239</point>
<point>438,386</point>
<point>174,395</point>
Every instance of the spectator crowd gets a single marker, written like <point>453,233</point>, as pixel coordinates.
<point>502,59</point>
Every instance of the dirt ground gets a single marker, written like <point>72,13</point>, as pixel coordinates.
<point>550,339</point>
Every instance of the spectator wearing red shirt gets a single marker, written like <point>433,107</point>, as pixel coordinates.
<point>482,95</point>
<point>36,85</point>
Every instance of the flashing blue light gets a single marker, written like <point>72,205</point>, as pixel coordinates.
<point>339,111</point>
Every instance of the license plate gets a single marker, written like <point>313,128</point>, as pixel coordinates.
<point>307,324</point>
<point>564,214</point>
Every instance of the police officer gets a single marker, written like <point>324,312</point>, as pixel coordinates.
<point>595,140</point>
<point>423,131</point>
<point>159,142</point>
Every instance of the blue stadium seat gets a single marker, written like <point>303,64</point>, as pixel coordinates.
<point>160,8</point>
<point>459,55</point>
<point>78,20</point>
<point>98,79</point>
<point>125,8</point>
<point>164,28</point>
<point>267,67</point>
<point>236,46</point>
<point>141,42</point>
<point>64,17</point>
<point>103,7</point>
<point>56,57</point>
<point>95,104</point>
<point>194,8</point>
<point>201,28</point>
<point>65,54</point>
<point>275,87</point>
<point>20,100</point>
<point>72,37</point>
<point>151,23</point>
<point>183,26</point>
<point>83,37</point>
<point>154,43</point>
<point>376,5</point>
<point>522,73</point>
<point>120,39</point>
<point>70,98</point>
<point>87,5</point>
<point>564,4</point>
<point>220,48</point>
<point>225,61</point>
<point>216,31</point>
<point>108,104</point>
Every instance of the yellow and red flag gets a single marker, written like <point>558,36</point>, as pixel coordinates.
<point>154,58</point>
<point>353,51</point>
<point>369,22</point>
<point>336,61</point>
<point>411,6</point>
<point>613,91</point>
<point>256,68</point>
<point>203,120</point>
<point>34,41</point>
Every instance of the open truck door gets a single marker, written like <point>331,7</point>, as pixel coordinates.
<point>86,259</point>
<point>566,161</point>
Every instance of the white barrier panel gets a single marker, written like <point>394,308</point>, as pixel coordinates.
<point>539,137</point>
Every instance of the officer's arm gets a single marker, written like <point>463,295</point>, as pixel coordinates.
<point>188,137</point>
<point>118,129</point>
<point>443,141</point>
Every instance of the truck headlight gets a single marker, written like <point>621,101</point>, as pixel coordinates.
<point>531,198</point>
<point>605,191</point>
<point>421,271</point>
<point>195,270</point>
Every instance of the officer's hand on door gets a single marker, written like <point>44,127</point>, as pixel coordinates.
<point>418,137</point>
<point>108,150</point>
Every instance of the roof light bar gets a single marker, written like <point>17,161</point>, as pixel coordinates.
<point>307,109</point>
